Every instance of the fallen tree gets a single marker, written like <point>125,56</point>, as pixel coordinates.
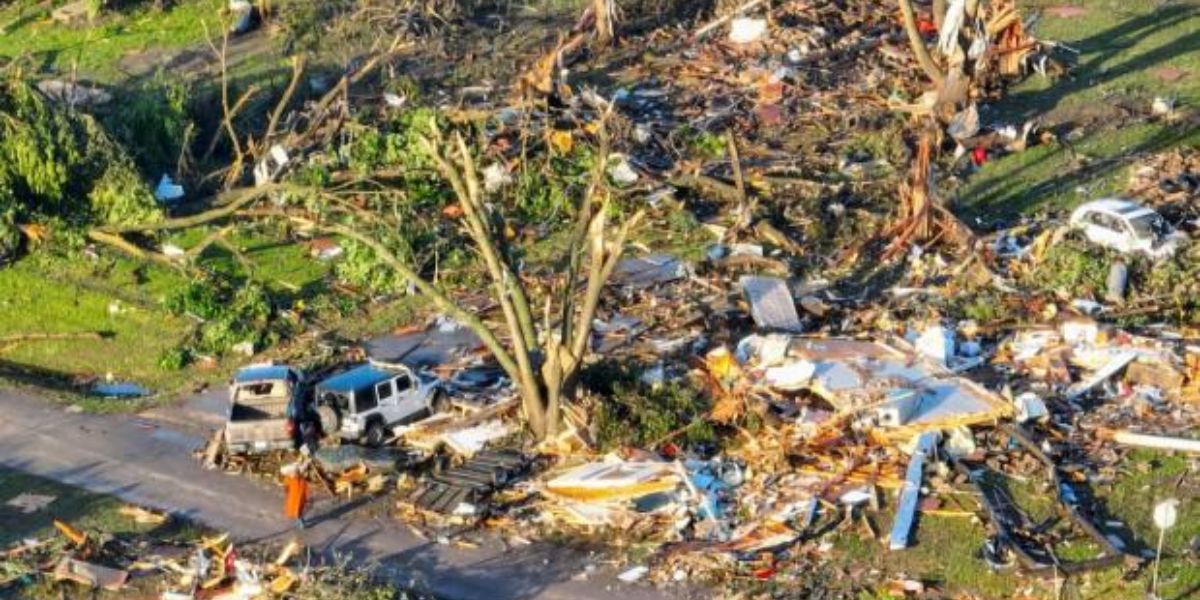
<point>59,164</point>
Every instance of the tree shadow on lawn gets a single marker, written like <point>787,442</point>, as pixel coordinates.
<point>1013,192</point>
<point>1101,48</point>
<point>36,376</point>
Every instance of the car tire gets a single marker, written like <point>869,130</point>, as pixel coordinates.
<point>376,434</point>
<point>329,419</point>
<point>499,476</point>
<point>441,464</point>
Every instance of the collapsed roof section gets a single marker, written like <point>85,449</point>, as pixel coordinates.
<point>888,384</point>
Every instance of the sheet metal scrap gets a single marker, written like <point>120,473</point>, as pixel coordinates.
<point>911,492</point>
<point>89,574</point>
<point>648,271</point>
<point>771,303</point>
<point>856,376</point>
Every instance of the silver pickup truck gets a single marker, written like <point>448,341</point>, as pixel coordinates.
<point>264,402</point>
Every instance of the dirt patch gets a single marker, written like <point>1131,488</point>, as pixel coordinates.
<point>1090,114</point>
<point>199,59</point>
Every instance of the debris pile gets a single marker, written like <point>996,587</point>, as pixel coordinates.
<point>861,355</point>
<point>160,563</point>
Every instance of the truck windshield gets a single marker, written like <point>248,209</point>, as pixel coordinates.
<point>1148,226</point>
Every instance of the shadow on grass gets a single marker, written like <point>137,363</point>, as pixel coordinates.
<point>36,376</point>
<point>1102,47</point>
<point>1015,193</point>
<point>1018,185</point>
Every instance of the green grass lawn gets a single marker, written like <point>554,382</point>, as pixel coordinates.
<point>284,265</point>
<point>96,49</point>
<point>55,296</point>
<point>1130,53</point>
<point>83,510</point>
<point>123,300</point>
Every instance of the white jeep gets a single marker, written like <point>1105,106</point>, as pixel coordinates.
<point>366,402</point>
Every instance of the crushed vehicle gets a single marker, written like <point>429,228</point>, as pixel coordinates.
<point>267,403</point>
<point>1127,227</point>
<point>366,402</point>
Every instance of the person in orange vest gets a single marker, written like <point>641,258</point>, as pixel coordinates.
<point>296,492</point>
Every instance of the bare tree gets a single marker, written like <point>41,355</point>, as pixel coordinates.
<point>543,362</point>
<point>917,43</point>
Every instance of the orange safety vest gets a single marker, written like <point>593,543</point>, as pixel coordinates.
<point>297,496</point>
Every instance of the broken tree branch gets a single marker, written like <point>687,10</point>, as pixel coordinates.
<point>918,43</point>
<point>703,31</point>
<point>39,337</point>
<point>120,243</point>
<point>297,72</point>
<point>439,298</point>
<point>230,202</point>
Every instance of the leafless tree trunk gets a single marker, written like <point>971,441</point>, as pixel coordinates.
<point>918,43</point>
<point>594,250</point>
<point>604,11</point>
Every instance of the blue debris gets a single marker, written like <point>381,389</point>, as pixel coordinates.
<point>119,390</point>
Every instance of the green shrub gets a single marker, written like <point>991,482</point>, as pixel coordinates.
<point>702,143</point>
<point>1072,266</point>
<point>631,413</point>
<point>57,163</point>
<point>10,236</point>
<point>228,315</point>
<point>174,359</point>
<point>151,121</point>
<point>359,268</point>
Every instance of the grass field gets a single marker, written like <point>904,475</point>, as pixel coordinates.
<point>83,510</point>
<point>96,51</point>
<point>124,301</point>
<point>55,296</point>
<point>1130,52</point>
<point>946,549</point>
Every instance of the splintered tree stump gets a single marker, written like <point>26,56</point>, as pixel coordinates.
<point>921,218</point>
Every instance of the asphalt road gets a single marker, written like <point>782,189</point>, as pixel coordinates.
<point>147,460</point>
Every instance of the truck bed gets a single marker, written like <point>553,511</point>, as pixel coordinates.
<point>257,423</point>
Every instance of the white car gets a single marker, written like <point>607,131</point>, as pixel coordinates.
<point>1127,227</point>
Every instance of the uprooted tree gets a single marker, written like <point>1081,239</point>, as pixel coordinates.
<point>61,165</point>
